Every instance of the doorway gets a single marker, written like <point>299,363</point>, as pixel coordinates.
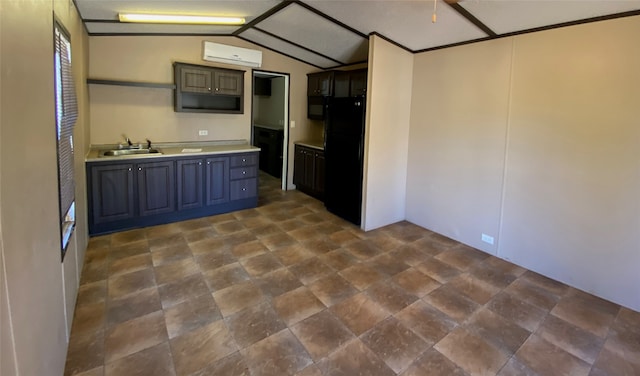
<point>269,120</point>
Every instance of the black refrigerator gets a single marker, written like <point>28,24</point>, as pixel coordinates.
<point>344,154</point>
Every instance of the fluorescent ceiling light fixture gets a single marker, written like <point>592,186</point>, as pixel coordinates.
<point>180,19</point>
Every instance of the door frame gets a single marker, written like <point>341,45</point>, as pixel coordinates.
<point>287,90</point>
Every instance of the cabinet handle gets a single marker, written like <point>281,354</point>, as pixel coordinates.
<point>209,163</point>
<point>217,89</point>
<point>244,160</point>
<point>209,88</point>
<point>129,168</point>
<point>244,189</point>
<point>244,172</point>
<point>199,163</point>
<point>139,168</point>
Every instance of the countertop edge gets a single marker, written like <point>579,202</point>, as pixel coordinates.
<point>174,150</point>
<point>311,144</point>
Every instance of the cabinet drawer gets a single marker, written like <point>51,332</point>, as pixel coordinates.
<point>244,188</point>
<point>242,160</point>
<point>243,172</point>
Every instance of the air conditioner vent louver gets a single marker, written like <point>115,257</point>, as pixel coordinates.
<point>222,53</point>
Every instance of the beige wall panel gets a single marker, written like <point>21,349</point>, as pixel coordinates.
<point>148,113</point>
<point>28,190</point>
<point>386,134</point>
<point>571,208</point>
<point>271,108</point>
<point>457,140</point>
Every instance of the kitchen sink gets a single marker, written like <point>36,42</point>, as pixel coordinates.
<point>124,152</point>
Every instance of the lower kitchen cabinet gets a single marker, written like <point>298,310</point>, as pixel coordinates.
<point>309,171</point>
<point>132,194</point>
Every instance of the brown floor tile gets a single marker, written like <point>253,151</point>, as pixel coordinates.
<point>343,237</point>
<point>304,233</point>
<point>181,290</point>
<point>134,335</point>
<point>432,247</point>
<point>610,362</point>
<point>311,370</point>
<point>359,313</point>
<point>254,222</point>
<point>407,231</point>
<point>214,260</point>
<point>547,359</point>
<point>554,287</point>
<point>175,240</point>
<point>462,257</point>
<point>491,275</point>
<point>261,264</point>
<point>361,276</point>
<point>473,288</point>
<point>129,283</point>
<point>355,358</point>
<point>415,282</point>
<point>88,318</point>
<point>321,334</point>
<point>292,254</point>
<point>290,224</point>
<point>624,337</point>
<point>85,352</point>
<point>363,249</point>
<point>427,322</point>
<point>228,227</point>
<point>327,228</point>
<point>215,245</point>
<point>438,270</point>
<point>449,301</point>
<point>394,343</point>
<point>320,246</point>
<point>161,230</point>
<point>231,365</point>
<point>517,311</point>
<point>94,292</point>
<point>176,270</point>
<point>170,254</point>
<point>387,243</point>
<point>332,289</point>
<point>387,265</point>
<point>190,315</point>
<point>154,361</point>
<point>514,367</point>
<point>129,264</point>
<point>124,237</point>
<point>253,324</point>
<point>277,241</point>
<point>197,349</point>
<point>433,363</point>
<point>501,333</point>
<point>199,234</point>
<point>193,224</point>
<point>410,254</point>
<point>312,218</point>
<point>98,371</point>
<point>238,238</point>
<point>587,312</point>
<point>533,294</point>
<point>128,250</point>
<point>225,276</point>
<point>268,229</point>
<point>237,297</point>
<point>390,297</point>
<point>338,259</point>
<point>133,305</point>
<point>471,353</point>
<point>279,354</point>
<point>570,338</point>
<point>310,270</point>
<point>249,249</point>
<point>297,305</point>
<point>278,282</point>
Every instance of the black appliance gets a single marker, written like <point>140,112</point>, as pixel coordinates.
<point>316,107</point>
<point>344,154</point>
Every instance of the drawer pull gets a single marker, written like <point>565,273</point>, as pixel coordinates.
<point>244,159</point>
<point>244,189</point>
<point>244,172</point>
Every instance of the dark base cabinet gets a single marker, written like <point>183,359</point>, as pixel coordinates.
<point>270,142</point>
<point>308,171</point>
<point>133,194</point>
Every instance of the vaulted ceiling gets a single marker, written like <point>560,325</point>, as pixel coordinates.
<point>332,33</point>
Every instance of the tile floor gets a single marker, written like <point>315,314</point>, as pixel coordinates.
<point>289,289</point>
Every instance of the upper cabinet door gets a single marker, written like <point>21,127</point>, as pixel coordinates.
<point>195,80</point>
<point>320,84</point>
<point>228,83</point>
<point>358,83</point>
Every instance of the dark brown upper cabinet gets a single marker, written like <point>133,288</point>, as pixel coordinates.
<point>320,84</point>
<point>207,89</point>
<point>350,83</point>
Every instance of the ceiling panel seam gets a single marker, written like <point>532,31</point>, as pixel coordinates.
<point>331,19</point>
<point>279,52</point>
<point>391,41</point>
<point>298,45</point>
<point>263,16</point>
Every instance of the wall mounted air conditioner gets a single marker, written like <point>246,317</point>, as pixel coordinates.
<point>221,53</point>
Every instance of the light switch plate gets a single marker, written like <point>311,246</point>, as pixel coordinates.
<point>203,132</point>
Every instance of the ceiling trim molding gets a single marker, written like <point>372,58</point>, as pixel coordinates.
<point>347,65</point>
<point>390,41</point>
<point>100,20</point>
<point>159,35</point>
<point>263,16</point>
<point>466,14</point>
<point>573,23</point>
<point>297,45</point>
<point>453,45</point>
<point>84,25</point>
<point>329,18</point>
<point>278,52</point>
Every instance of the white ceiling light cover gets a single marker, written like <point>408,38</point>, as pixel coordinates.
<point>133,28</point>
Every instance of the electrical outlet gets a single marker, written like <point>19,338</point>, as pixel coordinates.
<point>293,123</point>
<point>487,239</point>
<point>203,132</point>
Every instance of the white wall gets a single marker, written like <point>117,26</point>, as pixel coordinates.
<point>386,133</point>
<point>534,140</point>
<point>270,109</point>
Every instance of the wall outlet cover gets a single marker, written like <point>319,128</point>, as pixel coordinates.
<point>203,132</point>
<point>487,239</point>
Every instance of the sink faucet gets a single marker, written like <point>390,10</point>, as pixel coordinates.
<point>127,139</point>
<point>148,144</point>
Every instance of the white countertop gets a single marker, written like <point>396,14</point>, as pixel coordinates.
<point>175,149</point>
<point>316,144</point>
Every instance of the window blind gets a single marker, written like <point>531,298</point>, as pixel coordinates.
<point>66,116</point>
